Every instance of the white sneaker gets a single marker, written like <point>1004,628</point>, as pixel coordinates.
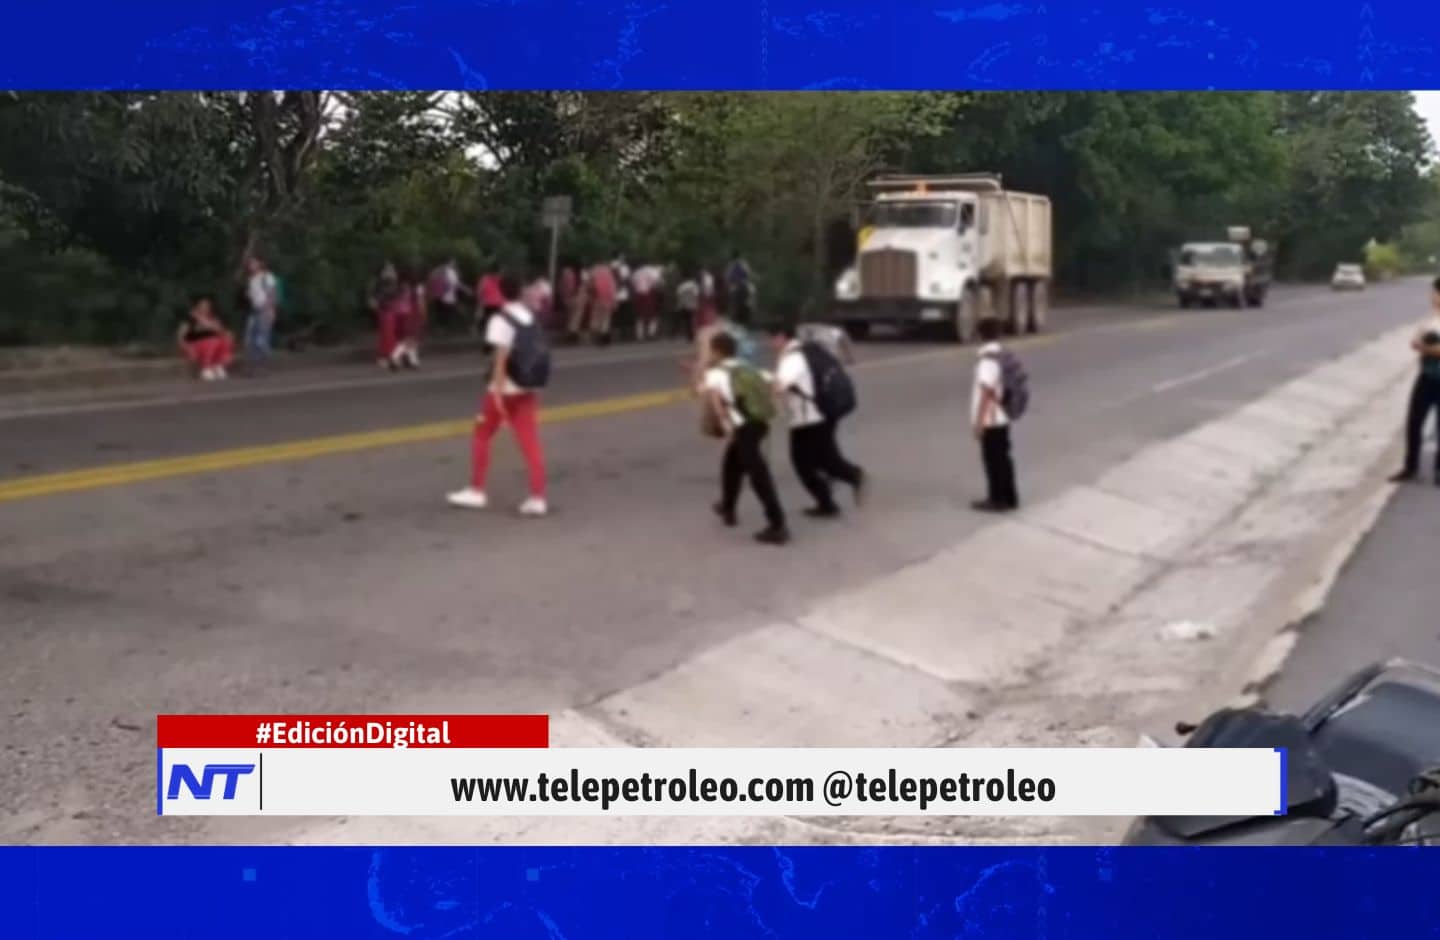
<point>413,359</point>
<point>222,373</point>
<point>207,375</point>
<point>534,506</point>
<point>468,498</point>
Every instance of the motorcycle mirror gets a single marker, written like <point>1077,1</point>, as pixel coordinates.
<point>1185,728</point>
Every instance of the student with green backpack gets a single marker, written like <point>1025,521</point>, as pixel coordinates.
<point>741,399</point>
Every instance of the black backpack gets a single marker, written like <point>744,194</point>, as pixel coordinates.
<point>529,363</point>
<point>834,390</point>
<point>1015,383</point>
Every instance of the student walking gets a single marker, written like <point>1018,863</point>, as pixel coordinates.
<point>521,368</point>
<point>740,290</point>
<point>999,397</point>
<point>603,295</point>
<point>740,398</point>
<point>1425,394</point>
<point>818,394</point>
<point>687,308</point>
<point>410,315</point>
<point>391,300</point>
<point>645,293</point>
<point>444,289</point>
<point>490,300</point>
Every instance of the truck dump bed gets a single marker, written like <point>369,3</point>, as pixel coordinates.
<point>1015,235</point>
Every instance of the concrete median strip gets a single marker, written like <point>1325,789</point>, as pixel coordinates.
<point>1154,593</point>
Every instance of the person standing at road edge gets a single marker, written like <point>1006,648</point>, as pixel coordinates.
<point>990,421</point>
<point>1425,394</point>
<point>521,367</point>
<point>262,293</point>
<point>741,400</point>
<point>814,449</point>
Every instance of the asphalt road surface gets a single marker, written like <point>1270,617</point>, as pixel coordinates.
<point>1385,603</point>
<point>283,545</point>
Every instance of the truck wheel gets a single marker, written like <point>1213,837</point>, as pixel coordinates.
<point>1039,307</point>
<point>858,331</point>
<point>1258,300</point>
<point>1017,314</point>
<point>966,315</point>
<point>1185,302</point>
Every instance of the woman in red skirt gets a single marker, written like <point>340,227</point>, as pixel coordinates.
<point>204,340</point>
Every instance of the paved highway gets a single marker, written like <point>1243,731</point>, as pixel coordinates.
<point>284,546</point>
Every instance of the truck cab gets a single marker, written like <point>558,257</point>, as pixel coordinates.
<point>944,251</point>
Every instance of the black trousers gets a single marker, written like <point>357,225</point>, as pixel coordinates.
<point>1424,398</point>
<point>745,459</point>
<point>815,452</point>
<point>999,467</point>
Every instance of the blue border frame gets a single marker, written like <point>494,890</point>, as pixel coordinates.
<point>708,893</point>
<point>693,44</point>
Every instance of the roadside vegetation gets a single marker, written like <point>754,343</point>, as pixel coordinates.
<point>114,207</point>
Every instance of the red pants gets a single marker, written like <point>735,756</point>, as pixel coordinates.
<point>522,413</point>
<point>211,352</point>
<point>647,307</point>
<point>389,323</point>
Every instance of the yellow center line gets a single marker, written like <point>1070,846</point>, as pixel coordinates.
<point>72,481</point>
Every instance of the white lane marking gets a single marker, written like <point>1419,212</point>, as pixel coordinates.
<point>1207,372</point>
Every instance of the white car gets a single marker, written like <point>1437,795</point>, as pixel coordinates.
<point>1348,277</point>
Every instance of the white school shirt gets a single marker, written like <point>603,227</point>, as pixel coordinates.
<point>261,291</point>
<point>501,335</point>
<point>794,376</point>
<point>988,374</point>
<point>687,296</point>
<point>452,284</point>
<point>1428,365</point>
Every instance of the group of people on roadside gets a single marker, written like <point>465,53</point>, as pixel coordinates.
<point>585,302</point>
<point>209,346</point>
<point>661,301</point>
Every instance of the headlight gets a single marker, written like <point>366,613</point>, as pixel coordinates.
<point>848,286</point>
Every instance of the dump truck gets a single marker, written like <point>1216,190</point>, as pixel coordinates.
<point>1234,272</point>
<point>945,251</point>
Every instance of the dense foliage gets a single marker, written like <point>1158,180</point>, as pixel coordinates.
<point>115,206</point>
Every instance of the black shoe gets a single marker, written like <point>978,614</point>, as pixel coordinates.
<point>823,512</point>
<point>1404,476</point>
<point>727,516</point>
<point>862,488</point>
<point>773,535</point>
<point>1437,477</point>
<point>985,505</point>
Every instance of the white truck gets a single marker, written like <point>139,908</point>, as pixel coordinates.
<point>947,251</point>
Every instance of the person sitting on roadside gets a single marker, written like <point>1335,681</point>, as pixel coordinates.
<point>204,340</point>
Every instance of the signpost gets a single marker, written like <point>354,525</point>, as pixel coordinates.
<point>555,215</point>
